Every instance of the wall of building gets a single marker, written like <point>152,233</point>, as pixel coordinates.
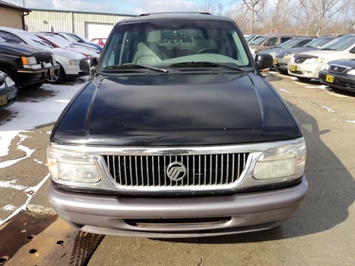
<point>68,21</point>
<point>11,18</point>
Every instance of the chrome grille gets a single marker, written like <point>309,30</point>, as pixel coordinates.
<point>300,60</point>
<point>44,59</point>
<point>200,170</point>
<point>337,69</point>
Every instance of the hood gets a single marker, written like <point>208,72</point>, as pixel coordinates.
<point>326,54</point>
<point>16,49</point>
<point>347,63</point>
<point>184,109</point>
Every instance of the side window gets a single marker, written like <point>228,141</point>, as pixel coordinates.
<point>271,42</point>
<point>284,39</point>
<point>9,37</point>
<point>302,43</point>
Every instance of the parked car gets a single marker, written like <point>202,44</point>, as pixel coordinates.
<point>307,65</point>
<point>68,60</point>
<point>28,67</point>
<point>252,37</point>
<point>283,56</point>
<point>339,74</point>
<point>71,39</point>
<point>176,138</point>
<point>268,41</point>
<point>81,39</point>
<point>292,43</point>
<point>8,90</point>
<point>99,41</point>
<point>59,42</point>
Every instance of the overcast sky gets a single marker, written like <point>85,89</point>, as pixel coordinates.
<point>112,6</point>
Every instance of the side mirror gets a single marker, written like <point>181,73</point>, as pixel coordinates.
<point>263,61</point>
<point>88,65</point>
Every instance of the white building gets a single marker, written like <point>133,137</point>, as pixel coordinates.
<point>86,24</point>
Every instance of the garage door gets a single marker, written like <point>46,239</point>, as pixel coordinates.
<point>95,30</point>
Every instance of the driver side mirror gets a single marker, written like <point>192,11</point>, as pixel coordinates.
<point>263,61</point>
<point>88,65</point>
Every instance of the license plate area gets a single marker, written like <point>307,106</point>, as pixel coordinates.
<point>329,78</point>
<point>293,68</point>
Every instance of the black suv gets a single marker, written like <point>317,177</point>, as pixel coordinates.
<point>28,67</point>
<point>176,135</point>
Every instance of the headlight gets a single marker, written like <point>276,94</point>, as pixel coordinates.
<point>285,162</point>
<point>9,81</point>
<point>326,67</point>
<point>315,60</point>
<point>28,60</point>
<point>352,72</point>
<point>74,62</point>
<point>72,166</point>
<point>53,60</point>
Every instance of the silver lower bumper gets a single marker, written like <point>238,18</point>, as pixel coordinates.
<point>178,217</point>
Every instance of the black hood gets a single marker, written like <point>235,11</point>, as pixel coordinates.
<point>16,49</point>
<point>184,109</point>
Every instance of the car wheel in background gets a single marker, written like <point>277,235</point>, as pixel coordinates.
<point>58,77</point>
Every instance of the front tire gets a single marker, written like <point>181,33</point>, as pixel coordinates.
<point>59,76</point>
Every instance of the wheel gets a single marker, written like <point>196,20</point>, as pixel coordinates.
<point>303,79</point>
<point>58,77</point>
<point>209,51</point>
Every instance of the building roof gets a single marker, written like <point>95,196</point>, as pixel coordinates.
<point>15,7</point>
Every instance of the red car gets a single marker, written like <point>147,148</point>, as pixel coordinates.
<point>99,41</point>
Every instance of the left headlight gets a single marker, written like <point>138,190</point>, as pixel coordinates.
<point>282,162</point>
<point>27,61</point>
<point>71,166</point>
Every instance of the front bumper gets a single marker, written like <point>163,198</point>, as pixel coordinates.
<point>178,217</point>
<point>304,70</point>
<point>27,76</point>
<point>342,82</point>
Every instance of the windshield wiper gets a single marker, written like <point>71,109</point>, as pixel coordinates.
<point>205,64</point>
<point>132,66</point>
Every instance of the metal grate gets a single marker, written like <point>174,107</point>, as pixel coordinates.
<point>300,60</point>
<point>337,69</point>
<point>44,59</point>
<point>176,171</point>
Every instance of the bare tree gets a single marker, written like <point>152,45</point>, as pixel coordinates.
<point>277,20</point>
<point>299,17</point>
<point>253,6</point>
<point>320,12</point>
<point>212,6</point>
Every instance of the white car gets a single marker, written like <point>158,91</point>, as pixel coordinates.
<point>68,60</point>
<point>60,42</point>
<point>306,66</point>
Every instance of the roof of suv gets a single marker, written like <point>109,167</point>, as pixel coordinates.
<point>176,16</point>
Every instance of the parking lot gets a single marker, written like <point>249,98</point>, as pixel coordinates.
<point>321,233</point>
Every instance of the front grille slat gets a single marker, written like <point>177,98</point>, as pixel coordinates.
<point>152,171</point>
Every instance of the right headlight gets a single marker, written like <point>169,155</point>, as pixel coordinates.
<point>283,162</point>
<point>72,166</point>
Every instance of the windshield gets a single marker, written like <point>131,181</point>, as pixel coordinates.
<point>165,43</point>
<point>340,44</point>
<point>318,42</point>
<point>259,40</point>
<point>58,40</point>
